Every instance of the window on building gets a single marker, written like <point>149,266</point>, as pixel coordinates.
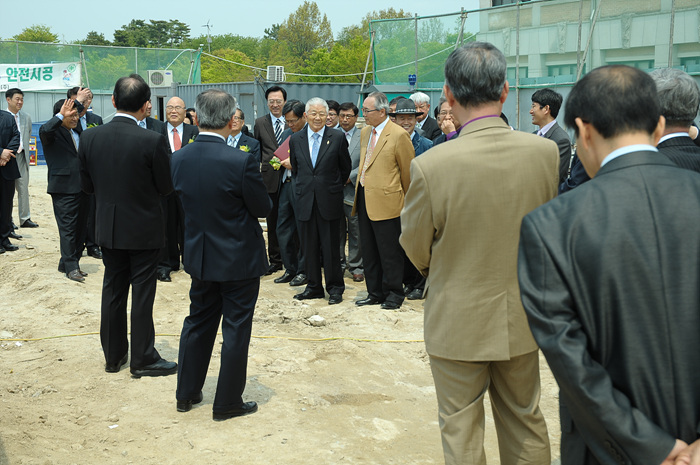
<point>641,64</point>
<point>510,74</point>
<point>563,70</point>
<point>506,2</point>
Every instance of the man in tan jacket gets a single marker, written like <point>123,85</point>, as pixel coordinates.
<point>460,228</point>
<point>386,152</point>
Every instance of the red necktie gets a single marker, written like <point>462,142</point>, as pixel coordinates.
<point>177,143</point>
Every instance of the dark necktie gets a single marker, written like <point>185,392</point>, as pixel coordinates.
<point>278,132</point>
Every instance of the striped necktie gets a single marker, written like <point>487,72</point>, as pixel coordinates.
<point>278,131</point>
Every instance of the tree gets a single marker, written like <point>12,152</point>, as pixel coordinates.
<point>305,31</point>
<point>273,32</point>
<point>178,32</point>
<point>155,33</point>
<point>37,33</point>
<point>215,70</point>
<point>362,30</point>
<point>134,34</point>
<point>95,38</point>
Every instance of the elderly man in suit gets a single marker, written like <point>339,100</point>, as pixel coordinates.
<point>223,196</point>
<point>179,135</point>
<point>608,275</point>
<point>237,139</point>
<point>70,203</point>
<point>427,125</point>
<point>320,166</point>
<point>268,130</point>
<point>679,97</point>
<point>128,170</point>
<point>386,152</point>
<point>460,229</point>
<point>544,110</point>
<point>347,116</point>
<point>15,102</point>
<point>9,144</point>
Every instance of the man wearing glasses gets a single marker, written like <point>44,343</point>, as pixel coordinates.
<point>428,125</point>
<point>241,141</point>
<point>268,131</point>
<point>386,152</point>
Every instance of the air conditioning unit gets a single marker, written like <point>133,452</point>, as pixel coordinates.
<point>275,73</point>
<point>160,77</point>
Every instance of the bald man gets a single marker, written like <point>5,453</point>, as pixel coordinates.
<point>179,134</point>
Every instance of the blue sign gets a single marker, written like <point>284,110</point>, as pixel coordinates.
<point>412,79</point>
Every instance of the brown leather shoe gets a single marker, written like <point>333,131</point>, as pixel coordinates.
<point>75,275</point>
<point>358,277</point>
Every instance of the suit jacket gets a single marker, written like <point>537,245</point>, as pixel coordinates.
<point>609,280</point>
<point>223,196</point>
<point>388,175</point>
<point>354,150</point>
<point>61,158</point>
<point>430,128</point>
<point>252,144</point>
<point>189,132</point>
<point>25,122</point>
<point>460,227</point>
<point>558,135</point>
<point>156,125</point>
<point>9,139</point>
<point>265,134</point>
<point>682,151</point>
<point>127,169</point>
<point>322,184</point>
<point>420,144</point>
<point>90,119</point>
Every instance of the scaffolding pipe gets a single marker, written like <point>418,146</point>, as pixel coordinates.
<point>670,39</point>
<point>578,46</point>
<point>364,75</point>
<point>590,36</point>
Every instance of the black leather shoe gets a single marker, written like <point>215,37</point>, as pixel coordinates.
<point>274,268</point>
<point>307,294</point>
<point>9,247</point>
<point>391,305</point>
<point>415,294</point>
<point>246,409</point>
<point>160,368</point>
<point>95,253</point>
<point>29,224</point>
<point>368,301</point>
<point>115,367</point>
<point>14,226</point>
<point>14,235</point>
<point>2,250</point>
<point>82,273</point>
<point>75,275</point>
<point>186,405</point>
<point>285,278</point>
<point>299,280</point>
<point>407,289</point>
<point>164,276</point>
<point>335,299</point>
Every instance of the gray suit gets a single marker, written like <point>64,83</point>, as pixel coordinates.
<point>22,184</point>
<point>354,258</point>
<point>609,281</point>
<point>558,135</point>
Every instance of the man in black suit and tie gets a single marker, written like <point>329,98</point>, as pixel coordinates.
<point>9,172</point>
<point>179,134</point>
<point>128,170</point>
<point>223,196</point>
<point>429,127</point>
<point>609,280</point>
<point>237,139</point>
<point>545,108</point>
<point>679,96</point>
<point>320,165</point>
<point>268,130</point>
<point>70,203</point>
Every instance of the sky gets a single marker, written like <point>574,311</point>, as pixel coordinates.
<point>72,23</point>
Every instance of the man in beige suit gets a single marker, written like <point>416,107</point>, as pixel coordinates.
<point>460,228</point>
<point>386,152</point>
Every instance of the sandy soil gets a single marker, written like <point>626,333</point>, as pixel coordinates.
<point>357,390</point>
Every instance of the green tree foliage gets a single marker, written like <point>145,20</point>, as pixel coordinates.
<point>306,30</point>
<point>215,70</point>
<point>37,33</point>
<point>155,34</point>
<point>362,29</point>
<point>95,38</point>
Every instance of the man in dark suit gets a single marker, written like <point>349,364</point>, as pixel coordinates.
<point>428,126</point>
<point>237,139</point>
<point>679,96</point>
<point>179,134</point>
<point>348,118</point>
<point>268,131</point>
<point>9,172</point>
<point>287,223</point>
<point>128,170</point>
<point>545,108</point>
<point>609,281</point>
<point>87,120</point>
<point>223,196</point>
<point>70,203</point>
<point>320,166</point>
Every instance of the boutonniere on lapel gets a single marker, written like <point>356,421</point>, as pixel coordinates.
<point>275,163</point>
<point>191,139</point>
<point>92,125</point>
<point>245,148</point>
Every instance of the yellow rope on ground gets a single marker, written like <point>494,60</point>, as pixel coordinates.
<point>289,338</point>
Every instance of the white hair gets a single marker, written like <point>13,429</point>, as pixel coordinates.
<point>316,101</point>
<point>420,97</point>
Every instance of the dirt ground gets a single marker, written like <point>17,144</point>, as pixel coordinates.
<point>357,390</point>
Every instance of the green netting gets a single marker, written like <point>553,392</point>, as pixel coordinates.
<point>104,65</point>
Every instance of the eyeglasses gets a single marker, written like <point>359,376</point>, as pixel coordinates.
<point>422,105</point>
<point>445,113</point>
<point>350,116</point>
<point>174,107</point>
<point>292,122</point>
<point>367,110</point>
<point>314,114</point>
<point>237,118</point>
<point>275,101</point>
